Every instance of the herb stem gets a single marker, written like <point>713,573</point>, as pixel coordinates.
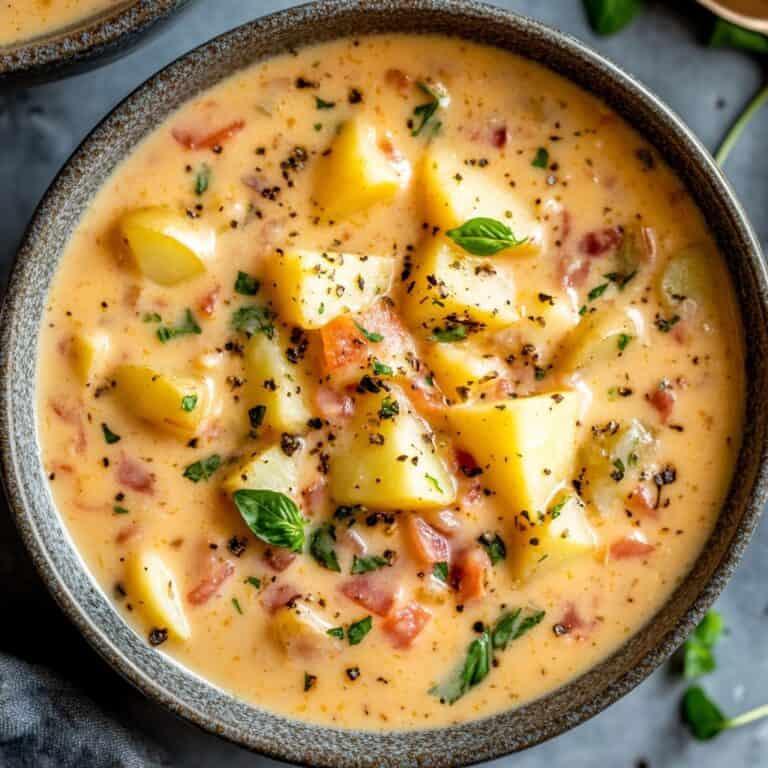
<point>748,717</point>
<point>738,127</point>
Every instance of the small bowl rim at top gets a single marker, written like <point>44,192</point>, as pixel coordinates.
<point>180,690</point>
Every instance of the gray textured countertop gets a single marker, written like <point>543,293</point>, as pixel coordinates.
<point>38,130</point>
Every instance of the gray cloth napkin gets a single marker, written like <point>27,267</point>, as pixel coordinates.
<point>45,722</point>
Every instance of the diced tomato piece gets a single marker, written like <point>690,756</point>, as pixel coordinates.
<point>343,344</point>
<point>641,502</point>
<point>370,594</point>
<point>278,558</point>
<point>663,400</point>
<point>216,572</point>
<point>277,595</point>
<point>190,140</point>
<point>208,302</point>
<point>405,624</point>
<point>427,545</point>
<point>467,575</point>
<point>630,547</point>
<point>600,241</point>
<point>135,475</point>
<point>333,404</point>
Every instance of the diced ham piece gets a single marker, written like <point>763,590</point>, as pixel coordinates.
<point>467,574</point>
<point>629,547</point>
<point>426,544</point>
<point>135,475</point>
<point>641,502</point>
<point>215,573</point>
<point>600,241</point>
<point>278,558</point>
<point>663,400</point>
<point>370,593</point>
<point>72,415</point>
<point>277,595</point>
<point>343,344</point>
<point>333,404</point>
<point>128,532</point>
<point>499,135</point>
<point>191,140</point>
<point>398,80</point>
<point>208,302</point>
<point>403,626</point>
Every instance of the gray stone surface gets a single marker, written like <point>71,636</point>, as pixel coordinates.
<point>41,126</point>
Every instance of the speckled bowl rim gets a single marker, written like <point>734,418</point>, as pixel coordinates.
<point>98,36</point>
<point>182,691</point>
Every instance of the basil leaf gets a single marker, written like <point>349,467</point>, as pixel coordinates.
<point>359,630</point>
<point>494,546</point>
<point>541,158</point>
<point>374,338</point>
<point>118,510</point>
<point>272,517</point>
<point>702,715</point>
<point>389,408</point>
<point>698,656</point>
<point>597,291</point>
<point>665,325</point>
<point>202,179</point>
<point>253,319</point>
<point>323,104</point>
<point>246,285</point>
<point>109,436</point>
<point>425,112</point>
<point>322,547</point>
<point>382,369</point>
<point>188,403</point>
<point>484,237</point>
<point>337,632</point>
<point>449,334</point>
<point>254,581</point>
<point>609,16</point>
<point>440,571</point>
<point>623,341</point>
<point>727,35</point>
<point>512,625</point>
<point>187,325</point>
<point>368,563</point>
<point>204,469</point>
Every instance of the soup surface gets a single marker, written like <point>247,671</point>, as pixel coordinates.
<point>391,383</point>
<point>27,19</point>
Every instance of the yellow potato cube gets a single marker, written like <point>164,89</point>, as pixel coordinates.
<point>461,369</point>
<point>449,285</point>
<point>545,544</point>
<point>301,632</point>
<point>267,469</point>
<point>311,288</point>
<point>689,274</point>
<point>88,353</point>
<point>454,193</point>
<point>151,586</point>
<point>277,384</point>
<point>601,337</point>
<point>545,322</point>
<point>167,246</point>
<point>526,446</point>
<point>175,404</point>
<point>356,174</point>
<point>386,459</point>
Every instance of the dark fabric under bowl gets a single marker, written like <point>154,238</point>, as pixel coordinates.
<point>91,41</point>
<point>183,692</point>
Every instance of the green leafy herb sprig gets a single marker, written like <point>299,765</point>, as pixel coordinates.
<point>482,236</point>
<point>272,516</point>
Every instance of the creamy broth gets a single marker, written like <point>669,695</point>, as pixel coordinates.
<point>28,19</point>
<point>551,426</point>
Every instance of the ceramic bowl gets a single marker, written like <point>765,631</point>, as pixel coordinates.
<point>183,692</point>
<point>95,39</point>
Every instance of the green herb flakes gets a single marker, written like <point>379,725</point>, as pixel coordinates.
<point>203,469</point>
<point>541,158</point>
<point>359,630</point>
<point>186,326</point>
<point>246,284</point>
<point>109,436</point>
<point>188,403</point>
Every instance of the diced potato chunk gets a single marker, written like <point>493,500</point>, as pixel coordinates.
<point>88,353</point>
<point>151,586</point>
<point>461,369</point>
<point>269,469</point>
<point>301,632</point>
<point>176,404</point>
<point>450,286</point>
<point>453,193</point>
<point>601,337</point>
<point>545,321</point>
<point>277,384</point>
<point>526,446</point>
<point>563,533</point>
<point>356,173</point>
<point>688,275</point>
<point>167,246</point>
<point>389,462</point>
<point>311,288</point>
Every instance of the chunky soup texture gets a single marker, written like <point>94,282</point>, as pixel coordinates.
<point>27,19</point>
<point>391,383</point>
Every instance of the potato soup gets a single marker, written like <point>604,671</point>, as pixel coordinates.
<point>28,19</point>
<point>391,383</point>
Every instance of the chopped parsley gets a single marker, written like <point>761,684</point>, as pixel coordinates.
<point>337,632</point>
<point>118,510</point>
<point>623,341</point>
<point>322,547</point>
<point>666,325</point>
<point>370,336</point>
<point>203,469</point>
<point>202,179</point>
<point>256,415</point>
<point>236,605</point>
<point>381,369</point>
<point>253,319</point>
<point>359,630</point>
<point>433,482</point>
<point>494,546</point>
<point>541,158</point>
<point>254,581</point>
<point>151,317</point>
<point>188,403</point>
<point>323,104</point>
<point>368,563</point>
<point>449,334</point>
<point>597,291</point>
<point>109,436</point>
<point>440,571</point>
<point>246,284</point>
<point>425,112</point>
<point>556,509</point>
<point>187,325</point>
